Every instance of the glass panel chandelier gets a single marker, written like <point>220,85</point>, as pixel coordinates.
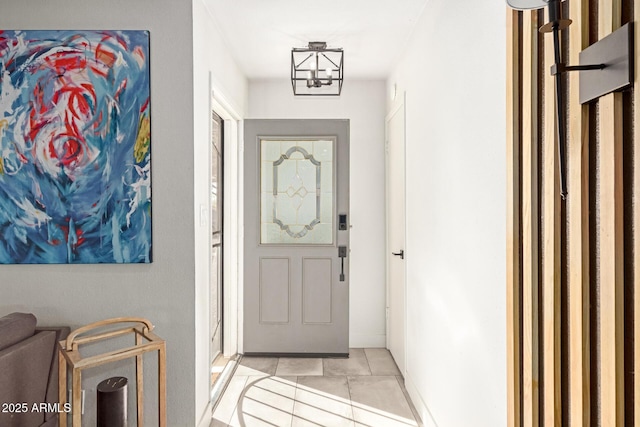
<point>316,70</point>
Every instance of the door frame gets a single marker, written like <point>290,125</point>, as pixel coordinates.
<point>400,103</point>
<point>231,244</point>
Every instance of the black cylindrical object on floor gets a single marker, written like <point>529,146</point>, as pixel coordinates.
<point>112,402</point>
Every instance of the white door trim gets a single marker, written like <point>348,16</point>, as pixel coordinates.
<point>232,212</point>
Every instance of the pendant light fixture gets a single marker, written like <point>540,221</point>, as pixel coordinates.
<point>317,70</point>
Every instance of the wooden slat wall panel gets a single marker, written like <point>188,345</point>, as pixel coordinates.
<point>514,365</point>
<point>611,239</point>
<point>578,201</point>
<point>530,392</point>
<point>551,394</point>
<point>595,252</point>
<point>636,215</point>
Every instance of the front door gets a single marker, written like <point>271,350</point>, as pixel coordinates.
<point>296,237</point>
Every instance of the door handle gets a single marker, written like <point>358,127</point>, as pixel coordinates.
<point>342,254</point>
<point>400,254</point>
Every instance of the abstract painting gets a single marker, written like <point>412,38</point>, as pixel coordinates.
<point>75,134</point>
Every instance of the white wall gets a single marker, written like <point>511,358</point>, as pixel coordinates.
<point>173,290</point>
<point>211,58</point>
<point>363,102</point>
<point>453,72</point>
<point>162,291</point>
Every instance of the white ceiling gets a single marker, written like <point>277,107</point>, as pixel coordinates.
<point>261,33</point>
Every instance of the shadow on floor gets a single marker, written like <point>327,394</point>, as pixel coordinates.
<point>364,390</point>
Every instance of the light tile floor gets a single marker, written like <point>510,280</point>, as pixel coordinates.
<point>364,390</point>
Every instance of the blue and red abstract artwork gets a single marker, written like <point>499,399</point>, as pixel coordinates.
<point>75,135</point>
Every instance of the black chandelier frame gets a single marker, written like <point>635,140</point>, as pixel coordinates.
<point>306,73</point>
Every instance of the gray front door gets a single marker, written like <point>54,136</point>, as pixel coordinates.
<point>296,237</point>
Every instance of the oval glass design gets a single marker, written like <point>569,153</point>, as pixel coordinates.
<point>296,191</point>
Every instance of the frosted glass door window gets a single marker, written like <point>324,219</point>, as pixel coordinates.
<point>296,191</point>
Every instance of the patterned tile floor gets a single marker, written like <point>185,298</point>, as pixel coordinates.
<point>364,390</point>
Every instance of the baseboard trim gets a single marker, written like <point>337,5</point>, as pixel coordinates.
<point>419,403</point>
<point>367,341</point>
<point>300,355</point>
<point>207,416</point>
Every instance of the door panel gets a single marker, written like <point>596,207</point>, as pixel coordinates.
<point>296,186</point>
<point>215,285</point>
<point>396,236</point>
<point>274,290</point>
<point>316,290</point>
